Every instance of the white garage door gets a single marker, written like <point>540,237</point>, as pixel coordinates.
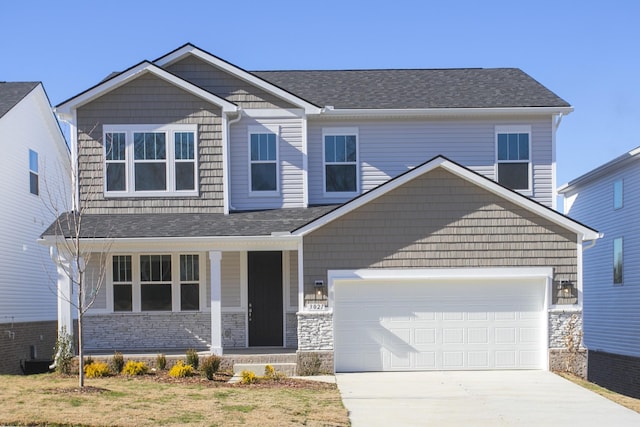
<point>452,324</point>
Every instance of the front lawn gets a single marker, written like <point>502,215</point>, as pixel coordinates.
<point>155,399</point>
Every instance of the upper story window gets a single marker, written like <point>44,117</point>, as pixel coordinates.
<point>618,260</point>
<point>263,158</point>
<point>150,160</point>
<point>617,194</point>
<point>340,160</point>
<point>34,177</point>
<point>513,149</point>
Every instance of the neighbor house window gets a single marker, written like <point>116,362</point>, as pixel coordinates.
<point>264,161</point>
<point>122,283</point>
<point>513,147</point>
<point>189,282</point>
<point>617,194</point>
<point>617,260</point>
<point>155,282</point>
<point>341,160</point>
<point>148,160</point>
<point>34,184</point>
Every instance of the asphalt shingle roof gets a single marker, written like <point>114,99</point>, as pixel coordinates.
<point>416,88</point>
<point>12,92</point>
<point>253,223</point>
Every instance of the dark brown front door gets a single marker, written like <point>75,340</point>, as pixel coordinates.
<point>265,298</point>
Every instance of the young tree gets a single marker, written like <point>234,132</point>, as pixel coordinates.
<point>75,238</point>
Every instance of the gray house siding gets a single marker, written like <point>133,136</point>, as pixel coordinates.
<point>224,84</point>
<point>150,100</point>
<point>438,221</point>
<point>611,321</point>
<point>290,175</point>
<point>389,147</point>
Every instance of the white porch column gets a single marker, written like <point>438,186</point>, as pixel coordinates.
<point>215,258</point>
<point>64,292</point>
<point>300,277</point>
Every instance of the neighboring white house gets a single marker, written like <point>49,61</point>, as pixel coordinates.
<point>34,171</point>
<point>608,198</point>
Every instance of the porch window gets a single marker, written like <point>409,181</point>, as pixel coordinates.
<point>513,147</point>
<point>341,160</point>
<point>155,282</point>
<point>150,160</point>
<point>189,282</point>
<point>122,283</point>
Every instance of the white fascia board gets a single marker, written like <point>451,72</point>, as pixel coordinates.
<point>239,73</point>
<point>273,113</point>
<point>584,232</point>
<point>176,244</point>
<point>64,110</point>
<point>443,112</point>
<point>385,274</point>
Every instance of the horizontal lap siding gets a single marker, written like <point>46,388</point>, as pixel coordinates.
<point>150,100</point>
<point>438,221</point>
<point>225,85</point>
<point>611,321</point>
<point>388,148</point>
<point>290,165</point>
<point>230,287</point>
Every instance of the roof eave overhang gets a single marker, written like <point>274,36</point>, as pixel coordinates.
<point>65,110</point>
<point>240,73</point>
<point>584,233</point>
<point>442,112</point>
<point>276,241</point>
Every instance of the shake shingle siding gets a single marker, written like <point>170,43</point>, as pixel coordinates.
<point>439,221</point>
<point>150,100</point>
<point>388,148</point>
<point>225,85</point>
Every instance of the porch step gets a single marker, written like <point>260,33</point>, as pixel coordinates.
<point>289,369</point>
<point>230,360</point>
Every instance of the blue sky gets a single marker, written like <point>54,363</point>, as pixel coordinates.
<point>585,51</point>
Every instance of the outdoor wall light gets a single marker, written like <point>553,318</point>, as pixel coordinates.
<point>318,285</point>
<point>566,286</point>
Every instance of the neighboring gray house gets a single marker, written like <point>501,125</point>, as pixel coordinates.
<point>34,168</point>
<point>608,197</point>
<point>386,219</point>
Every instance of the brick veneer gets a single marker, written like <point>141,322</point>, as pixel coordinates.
<point>616,372</point>
<point>16,340</point>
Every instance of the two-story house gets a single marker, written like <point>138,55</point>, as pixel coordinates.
<point>34,168</point>
<point>608,197</point>
<point>384,219</point>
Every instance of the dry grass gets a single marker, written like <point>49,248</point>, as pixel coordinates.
<point>151,400</point>
<point>620,399</point>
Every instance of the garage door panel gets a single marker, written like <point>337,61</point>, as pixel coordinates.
<point>439,326</point>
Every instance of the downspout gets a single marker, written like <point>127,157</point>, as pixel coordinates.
<point>592,242</point>
<point>227,162</point>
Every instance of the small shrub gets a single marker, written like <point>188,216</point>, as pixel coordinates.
<point>135,368</point>
<point>248,377</point>
<point>192,358</point>
<point>117,362</point>
<point>64,353</point>
<point>210,366</point>
<point>96,370</point>
<point>271,374</point>
<point>88,361</point>
<point>309,364</point>
<point>161,362</point>
<point>180,370</point>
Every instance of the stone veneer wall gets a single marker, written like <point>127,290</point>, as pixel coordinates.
<point>16,340</point>
<point>561,325</point>
<point>233,330</point>
<point>147,331</point>
<point>315,331</point>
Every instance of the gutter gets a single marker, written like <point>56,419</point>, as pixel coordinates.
<point>330,111</point>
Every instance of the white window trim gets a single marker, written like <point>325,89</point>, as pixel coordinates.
<point>515,129</point>
<point>170,160</point>
<point>136,284</point>
<point>339,131</point>
<point>260,129</point>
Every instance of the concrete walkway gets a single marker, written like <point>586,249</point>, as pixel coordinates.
<point>476,398</point>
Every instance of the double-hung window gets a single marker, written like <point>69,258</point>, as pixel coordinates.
<point>150,160</point>
<point>263,158</point>
<point>155,282</point>
<point>34,184</point>
<point>340,160</point>
<point>513,148</point>
<point>189,282</point>
<point>122,283</point>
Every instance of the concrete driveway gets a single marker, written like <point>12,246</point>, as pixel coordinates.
<point>476,398</point>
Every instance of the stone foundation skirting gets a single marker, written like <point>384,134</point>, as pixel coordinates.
<point>25,341</point>
<point>315,363</point>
